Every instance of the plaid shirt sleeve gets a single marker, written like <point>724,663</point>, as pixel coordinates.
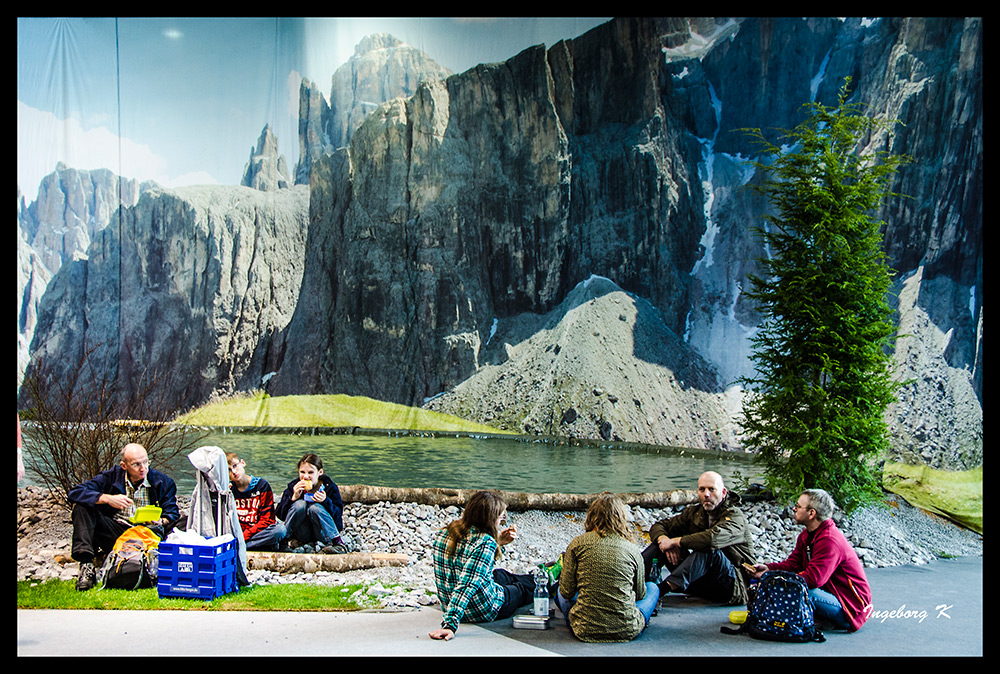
<point>465,580</point>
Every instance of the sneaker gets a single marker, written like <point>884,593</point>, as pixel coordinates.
<point>667,588</point>
<point>335,549</point>
<point>87,577</point>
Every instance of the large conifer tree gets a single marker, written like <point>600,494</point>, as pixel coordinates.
<point>815,408</point>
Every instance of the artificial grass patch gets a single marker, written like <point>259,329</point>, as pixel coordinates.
<point>956,495</point>
<point>62,594</point>
<point>334,410</point>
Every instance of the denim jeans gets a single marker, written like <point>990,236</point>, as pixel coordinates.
<point>646,605</point>
<point>827,609</point>
<point>310,522</point>
<point>268,538</point>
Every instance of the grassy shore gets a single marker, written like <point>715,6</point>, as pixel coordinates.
<point>957,495</point>
<point>62,594</point>
<point>336,410</point>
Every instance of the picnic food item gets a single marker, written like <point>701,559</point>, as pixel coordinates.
<point>146,514</point>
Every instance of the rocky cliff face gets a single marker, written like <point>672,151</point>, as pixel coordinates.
<point>933,84</point>
<point>71,207</point>
<point>451,241</point>
<point>382,68</point>
<point>196,288</point>
<point>266,170</point>
<point>32,279</point>
<point>491,194</point>
<point>314,118</point>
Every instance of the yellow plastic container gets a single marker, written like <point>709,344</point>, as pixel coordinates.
<point>737,617</point>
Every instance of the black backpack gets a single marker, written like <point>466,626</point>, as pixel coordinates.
<point>780,610</point>
<point>133,563</point>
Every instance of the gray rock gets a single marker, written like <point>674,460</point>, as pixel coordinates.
<point>71,207</point>
<point>382,68</point>
<point>210,277</point>
<point>541,537</point>
<point>266,170</point>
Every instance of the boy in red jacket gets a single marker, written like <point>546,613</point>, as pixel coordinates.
<point>828,563</point>
<point>254,507</point>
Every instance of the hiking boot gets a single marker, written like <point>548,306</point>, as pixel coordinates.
<point>335,549</point>
<point>87,577</point>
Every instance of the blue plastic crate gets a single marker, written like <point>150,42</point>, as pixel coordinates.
<point>196,571</point>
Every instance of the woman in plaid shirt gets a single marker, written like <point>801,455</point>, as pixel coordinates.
<point>464,553</point>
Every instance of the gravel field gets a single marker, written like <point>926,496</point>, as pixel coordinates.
<point>883,536</point>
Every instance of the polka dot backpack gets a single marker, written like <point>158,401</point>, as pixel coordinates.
<point>780,610</point>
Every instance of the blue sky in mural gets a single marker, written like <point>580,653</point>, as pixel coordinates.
<point>183,100</point>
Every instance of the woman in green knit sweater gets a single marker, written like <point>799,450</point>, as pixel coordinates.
<point>602,589</point>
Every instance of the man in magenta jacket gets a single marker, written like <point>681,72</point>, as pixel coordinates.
<point>828,563</point>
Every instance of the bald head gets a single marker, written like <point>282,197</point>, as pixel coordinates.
<point>135,461</point>
<point>711,490</point>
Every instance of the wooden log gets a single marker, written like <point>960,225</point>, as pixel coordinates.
<point>361,493</point>
<point>294,562</point>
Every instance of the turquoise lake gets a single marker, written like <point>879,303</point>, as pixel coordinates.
<point>468,462</point>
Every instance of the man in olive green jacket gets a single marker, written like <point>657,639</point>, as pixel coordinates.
<point>704,546</point>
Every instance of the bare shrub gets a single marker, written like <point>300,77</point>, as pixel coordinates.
<point>74,426</point>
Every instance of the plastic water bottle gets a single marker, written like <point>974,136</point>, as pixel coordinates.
<point>541,594</point>
<point>654,571</point>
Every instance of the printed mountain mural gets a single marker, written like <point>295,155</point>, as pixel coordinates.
<point>556,244</point>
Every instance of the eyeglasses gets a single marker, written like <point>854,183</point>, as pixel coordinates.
<point>798,507</point>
